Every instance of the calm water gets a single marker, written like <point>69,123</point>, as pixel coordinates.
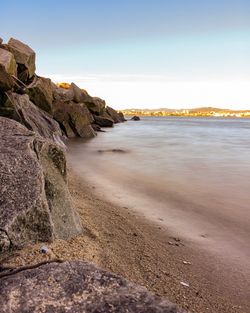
<point>190,174</point>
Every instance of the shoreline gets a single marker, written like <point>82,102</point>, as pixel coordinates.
<point>122,241</point>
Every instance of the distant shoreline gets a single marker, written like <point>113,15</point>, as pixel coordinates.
<point>190,114</point>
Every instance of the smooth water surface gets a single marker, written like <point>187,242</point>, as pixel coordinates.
<point>190,174</point>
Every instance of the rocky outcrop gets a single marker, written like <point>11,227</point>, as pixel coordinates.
<point>74,119</point>
<point>20,108</point>
<point>79,95</point>
<point>8,61</point>
<point>35,201</point>
<point>76,287</point>
<point>6,81</point>
<point>62,94</point>
<point>113,114</point>
<point>25,58</point>
<point>103,121</point>
<point>41,93</point>
<point>95,105</point>
<point>122,118</point>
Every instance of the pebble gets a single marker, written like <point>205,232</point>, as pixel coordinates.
<point>44,249</point>
<point>184,284</point>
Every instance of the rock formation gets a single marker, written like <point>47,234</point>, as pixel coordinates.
<point>40,92</point>
<point>25,58</point>
<point>35,201</point>
<point>35,205</point>
<point>76,287</point>
<point>74,119</point>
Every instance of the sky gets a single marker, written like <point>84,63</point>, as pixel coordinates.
<point>140,53</point>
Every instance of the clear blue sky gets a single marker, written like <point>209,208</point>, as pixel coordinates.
<point>172,53</point>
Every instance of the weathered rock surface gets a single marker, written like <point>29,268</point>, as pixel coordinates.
<point>104,121</point>
<point>122,118</point>
<point>76,287</point>
<point>25,58</point>
<point>1,40</point>
<point>41,93</point>
<point>21,109</point>
<point>6,81</point>
<point>8,61</point>
<point>113,114</point>
<point>79,95</point>
<point>95,105</point>
<point>74,119</point>
<point>62,94</point>
<point>35,202</point>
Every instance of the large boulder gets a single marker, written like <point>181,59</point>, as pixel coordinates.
<point>6,81</point>
<point>21,109</point>
<point>62,94</point>
<point>75,287</point>
<point>74,119</point>
<point>104,121</point>
<point>113,114</point>
<point>8,61</point>
<point>1,40</point>
<point>41,93</point>
<point>79,95</point>
<point>35,202</point>
<point>25,58</point>
<point>122,118</point>
<point>95,105</point>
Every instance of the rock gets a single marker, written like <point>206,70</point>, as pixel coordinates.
<point>44,249</point>
<point>25,58</point>
<point>103,121</point>
<point>21,109</point>
<point>41,93</point>
<point>122,118</point>
<point>97,128</point>
<point>113,114</point>
<point>135,118</point>
<point>6,81</point>
<point>1,40</point>
<point>76,287</point>
<point>8,61</point>
<point>95,105</point>
<point>62,94</point>
<point>74,119</point>
<point>79,95</point>
<point>35,202</point>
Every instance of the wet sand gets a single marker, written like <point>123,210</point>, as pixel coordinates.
<point>121,240</point>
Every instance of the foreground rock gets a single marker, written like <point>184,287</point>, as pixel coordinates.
<point>6,81</point>
<point>114,115</point>
<point>35,202</point>
<point>25,58</point>
<point>104,121</point>
<point>95,105</point>
<point>74,119</point>
<point>41,93</point>
<point>20,108</point>
<point>8,61</point>
<point>76,287</point>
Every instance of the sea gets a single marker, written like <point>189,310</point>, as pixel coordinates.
<point>190,175</point>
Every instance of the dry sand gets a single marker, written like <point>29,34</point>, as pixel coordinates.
<point>119,240</point>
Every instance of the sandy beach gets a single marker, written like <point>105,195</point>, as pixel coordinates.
<point>120,240</point>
